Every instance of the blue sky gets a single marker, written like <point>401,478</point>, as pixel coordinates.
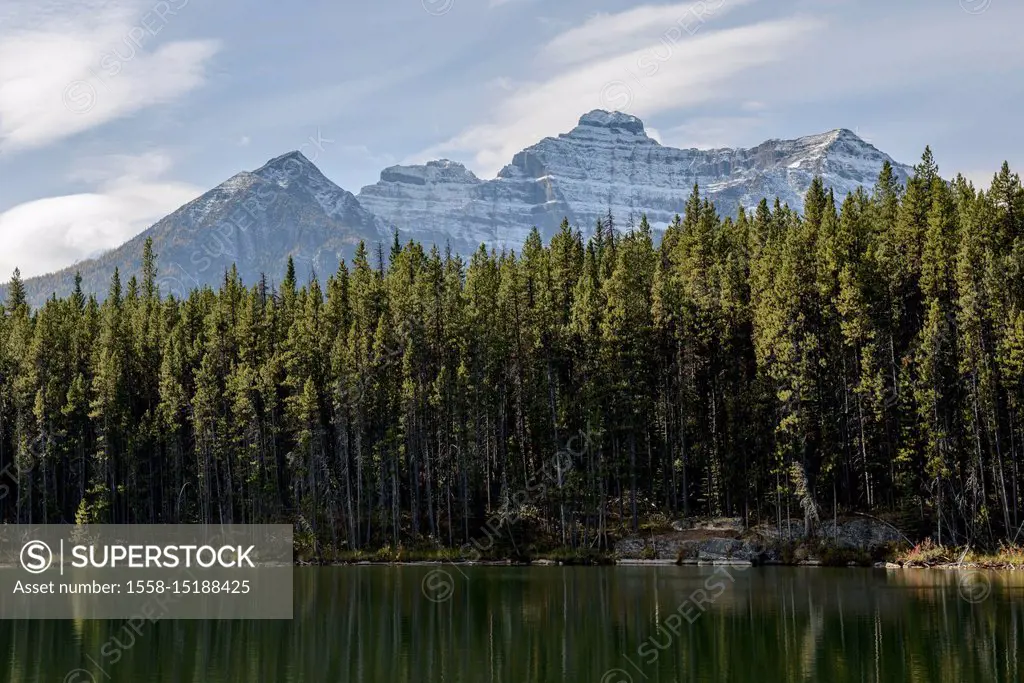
<point>113,114</point>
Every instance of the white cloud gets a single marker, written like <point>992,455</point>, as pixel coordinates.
<point>129,195</point>
<point>71,66</point>
<point>920,49</point>
<point>605,35</point>
<point>644,75</point>
<point>738,75</point>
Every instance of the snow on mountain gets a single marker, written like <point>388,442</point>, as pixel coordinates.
<point>608,162</point>
<point>427,196</point>
<point>257,219</point>
<point>254,220</point>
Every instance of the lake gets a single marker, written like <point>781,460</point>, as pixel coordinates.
<point>539,624</point>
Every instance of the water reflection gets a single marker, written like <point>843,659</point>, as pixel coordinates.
<point>609,625</point>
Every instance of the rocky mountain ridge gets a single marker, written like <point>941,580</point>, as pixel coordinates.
<point>608,162</point>
<point>288,208</point>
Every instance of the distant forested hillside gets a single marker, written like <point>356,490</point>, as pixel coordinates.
<point>863,357</point>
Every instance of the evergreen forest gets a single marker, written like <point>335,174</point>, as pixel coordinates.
<point>861,357</point>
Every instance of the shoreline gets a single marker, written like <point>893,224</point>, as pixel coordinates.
<point>630,562</point>
<point>636,562</point>
<point>859,541</point>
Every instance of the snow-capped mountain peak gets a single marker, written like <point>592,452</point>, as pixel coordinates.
<point>287,168</point>
<point>254,220</point>
<point>438,171</point>
<point>295,173</point>
<point>840,156</point>
<point>608,162</point>
<point>615,120</point>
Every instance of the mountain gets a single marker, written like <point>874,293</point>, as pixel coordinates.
<point>255,220</point>
<point>607,162</point>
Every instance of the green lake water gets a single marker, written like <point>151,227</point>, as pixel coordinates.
<point>540,624</point>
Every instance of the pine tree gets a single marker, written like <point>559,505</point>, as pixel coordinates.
<point>16,296</point>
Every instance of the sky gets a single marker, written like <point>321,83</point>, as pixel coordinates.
<point>114,114</point>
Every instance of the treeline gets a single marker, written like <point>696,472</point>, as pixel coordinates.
<point>866,357</point>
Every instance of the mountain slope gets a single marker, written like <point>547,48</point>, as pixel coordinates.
<point>609,162</point>
<point>255,220</point>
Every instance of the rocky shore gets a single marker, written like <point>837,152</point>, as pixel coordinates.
<point>855,541</point>
<point>851,541</point>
